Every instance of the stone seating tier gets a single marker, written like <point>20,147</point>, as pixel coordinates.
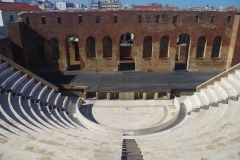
<point>37,122</point>
<point>30,128</point>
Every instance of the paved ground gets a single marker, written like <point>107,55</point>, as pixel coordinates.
<point>131,114</point>
<point>130,81</point>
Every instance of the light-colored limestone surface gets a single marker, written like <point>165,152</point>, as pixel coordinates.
<point>33,130</point>
<point>207,128</point>
<point>210,130</point>
<point>130,114</point>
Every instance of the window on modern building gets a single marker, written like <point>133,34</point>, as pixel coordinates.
<point>213,19</point>
<point>229,19</point>
<point>80,19</point>
<point>10,18</point>
<point>157,18</point>
<point>115,18</point>
<point>59,20</point>
<point>43,20</point>
<point>97,19</point>
<point>175,19</point>
<point>216,46</point>
<point>197,19</point>
<point>139,18</point>
<point>27,21</point>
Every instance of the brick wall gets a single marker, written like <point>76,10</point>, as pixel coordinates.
<point>128,22</point>
<point>5,47</point>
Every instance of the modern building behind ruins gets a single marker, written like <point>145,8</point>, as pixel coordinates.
<point>109,5</point>
<point>9,12</point>
<point>127,40</point>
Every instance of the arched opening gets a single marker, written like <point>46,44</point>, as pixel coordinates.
<point>90,47</point>
<point>216,46</point>
<point>17,53</point>
<point>126,57</point>
<point>107,47</point>
<point>181,57</point>
<point>55,48</point>
<point>164,42</point>
<point>201,46</point>
<point>40,49</point>
<point>147,47</point>
<point>72,49</point>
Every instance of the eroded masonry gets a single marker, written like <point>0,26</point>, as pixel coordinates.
<point>127,40</point>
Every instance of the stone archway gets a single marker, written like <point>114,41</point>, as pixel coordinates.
<point>181,58</point>
<point>73,53</point>
<point>126,59</point>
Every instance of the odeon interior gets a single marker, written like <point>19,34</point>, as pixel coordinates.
<point>38,122</point>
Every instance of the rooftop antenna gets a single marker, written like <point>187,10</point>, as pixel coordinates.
<point>191,3</point>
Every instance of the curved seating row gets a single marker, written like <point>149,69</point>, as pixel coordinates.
<point>39,123</point>
<point>35,123</point>
<point>210,129</point>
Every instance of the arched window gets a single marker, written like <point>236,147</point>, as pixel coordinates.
<point>201,46</point>
<point>55,48</point>
<point>164,42</point>
<point>147,47</point>
<point>107,47</point>
<point>40,49</point>
<point>216,46</point>
<point>90,47</point>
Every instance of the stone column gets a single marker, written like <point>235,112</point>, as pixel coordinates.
<point>168,95</point>
<point>108,96</point>
<point>96,95</point>
<point>144,95</point>
<point>156,95</point>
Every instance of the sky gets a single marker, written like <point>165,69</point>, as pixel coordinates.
<point>179,3</point>
<point>188,3</point>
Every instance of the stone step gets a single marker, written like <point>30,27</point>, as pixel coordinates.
<point>226,90</point>
<point>217,93</point>
<point>230,83</point>
<point>211,98</point>
<point>201,99</point>
<point>130,150</point>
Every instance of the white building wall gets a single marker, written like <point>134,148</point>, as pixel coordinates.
<point>1,24</point>
<point>6,18</point>
<point>19,1</point>
<point>76,5</point>
<point>8,1</point>
<point>61,5</point>
<point>1,19</point>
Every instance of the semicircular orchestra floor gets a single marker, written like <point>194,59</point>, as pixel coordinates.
<point>128,114</point>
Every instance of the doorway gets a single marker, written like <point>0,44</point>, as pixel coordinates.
<point>127,63</point>
<point>72,49</point>
<point>181,57</point>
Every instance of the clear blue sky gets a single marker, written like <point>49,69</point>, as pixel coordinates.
<point>179,3</point>
<point>187,3</point>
